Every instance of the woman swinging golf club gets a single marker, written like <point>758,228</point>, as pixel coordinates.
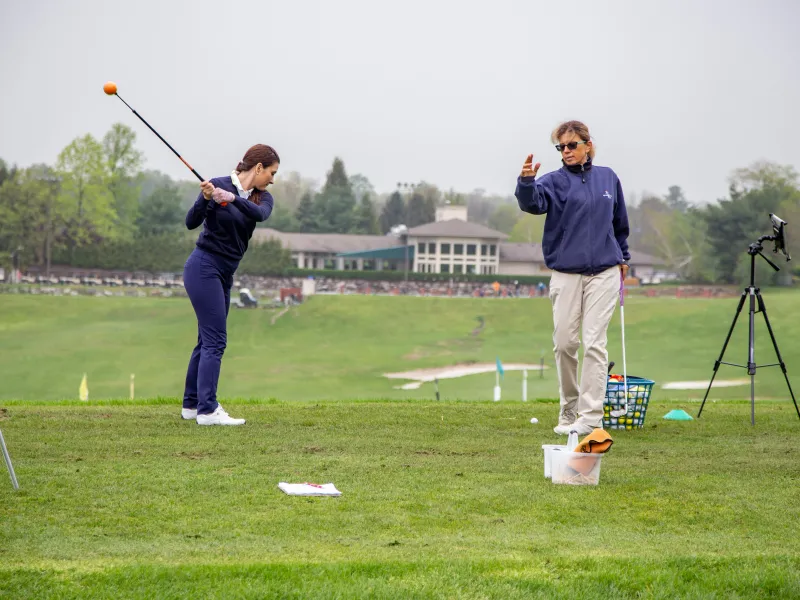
<point>228,208</point>
<point>585,244</point>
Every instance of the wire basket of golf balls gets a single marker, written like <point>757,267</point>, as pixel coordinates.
<point>639,390</point>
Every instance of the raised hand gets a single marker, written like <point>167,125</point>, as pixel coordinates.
<point>528,168</point>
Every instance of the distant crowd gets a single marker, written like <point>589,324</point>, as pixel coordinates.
<point>326,285</point>
<point>62,281</point>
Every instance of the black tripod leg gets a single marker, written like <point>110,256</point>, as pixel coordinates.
<point>763,310</point>
<point>724,346</point>
<point>751,356</point>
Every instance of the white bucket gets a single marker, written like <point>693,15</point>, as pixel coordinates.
<point>576,468</point>
<point>548,453</point>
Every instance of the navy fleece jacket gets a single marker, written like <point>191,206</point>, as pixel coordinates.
<point>586,228</point>
<point>227,229</point>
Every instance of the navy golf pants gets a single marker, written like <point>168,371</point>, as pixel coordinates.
<point>208,279</point>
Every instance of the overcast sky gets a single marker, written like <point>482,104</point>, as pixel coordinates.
<point>452,92</point>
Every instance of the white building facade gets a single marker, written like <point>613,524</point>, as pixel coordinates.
<point>449,246</point>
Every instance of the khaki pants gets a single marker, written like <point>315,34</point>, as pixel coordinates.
<point>587,301</point>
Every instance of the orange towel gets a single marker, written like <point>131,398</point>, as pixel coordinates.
<point>597,442</point>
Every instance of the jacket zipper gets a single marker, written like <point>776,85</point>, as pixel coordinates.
<point>591,241</point>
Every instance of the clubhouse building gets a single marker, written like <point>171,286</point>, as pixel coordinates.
<point>449,245</point>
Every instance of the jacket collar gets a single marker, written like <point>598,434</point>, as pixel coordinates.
<point>578,169</point>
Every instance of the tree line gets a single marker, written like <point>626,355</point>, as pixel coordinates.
<point>709,243</point>
<point>97,207</point>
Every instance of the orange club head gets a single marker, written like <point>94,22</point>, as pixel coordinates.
<point>110,88</point>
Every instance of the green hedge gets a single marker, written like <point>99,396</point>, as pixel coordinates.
<point>167,254</point>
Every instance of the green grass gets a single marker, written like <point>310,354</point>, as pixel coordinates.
<point>338,347</point>
<point>440,500</point>
<point>123,499</point>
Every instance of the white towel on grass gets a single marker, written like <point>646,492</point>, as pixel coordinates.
<point>309,489</point>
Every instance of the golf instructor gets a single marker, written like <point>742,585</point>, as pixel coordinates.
<point>585,244</point>
<point>228,208</point>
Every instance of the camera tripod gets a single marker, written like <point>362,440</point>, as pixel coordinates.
<point>754,294</point>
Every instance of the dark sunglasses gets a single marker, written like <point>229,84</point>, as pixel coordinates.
<point>570,145</point>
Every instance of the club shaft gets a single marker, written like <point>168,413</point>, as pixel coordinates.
<point>624,410</point>
<point>8,462</point>
<point>196,174</point>
<point>624,361</point>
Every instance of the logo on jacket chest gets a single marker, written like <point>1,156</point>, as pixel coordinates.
<point>607,195</point>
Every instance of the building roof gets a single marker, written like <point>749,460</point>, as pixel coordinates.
<point>640,258</point>
<point>330,243</point>
<point>521,252</point>
<point>456,228</point>
<point>391,253</point>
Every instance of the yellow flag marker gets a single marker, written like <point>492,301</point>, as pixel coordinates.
<point>84,389</point>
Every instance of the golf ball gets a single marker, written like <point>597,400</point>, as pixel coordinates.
<point>534,420</point>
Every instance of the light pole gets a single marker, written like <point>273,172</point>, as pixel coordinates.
<point>401,232</point>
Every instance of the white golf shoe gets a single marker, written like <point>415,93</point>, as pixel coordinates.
<point>190,414</point>
<point>581,428</point>
<point>219,417</point>
<point>563,429</point>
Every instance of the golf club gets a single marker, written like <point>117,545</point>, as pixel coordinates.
<point>622,411</point>
<point>8,462</point>
<point>110,88</point>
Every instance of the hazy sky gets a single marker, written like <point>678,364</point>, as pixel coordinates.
<point>452,92</point>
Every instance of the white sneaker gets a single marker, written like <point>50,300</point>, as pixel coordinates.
<point>190,414</point>
<point>218,417</point>
<point>581,428</point>
<point>563,429</point>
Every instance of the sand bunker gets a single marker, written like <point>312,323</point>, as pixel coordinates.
<point>701,385</point>
<point>420,376</point>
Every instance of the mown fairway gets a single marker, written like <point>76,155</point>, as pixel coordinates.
<point>440,500</point>
<point>338,347</point>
